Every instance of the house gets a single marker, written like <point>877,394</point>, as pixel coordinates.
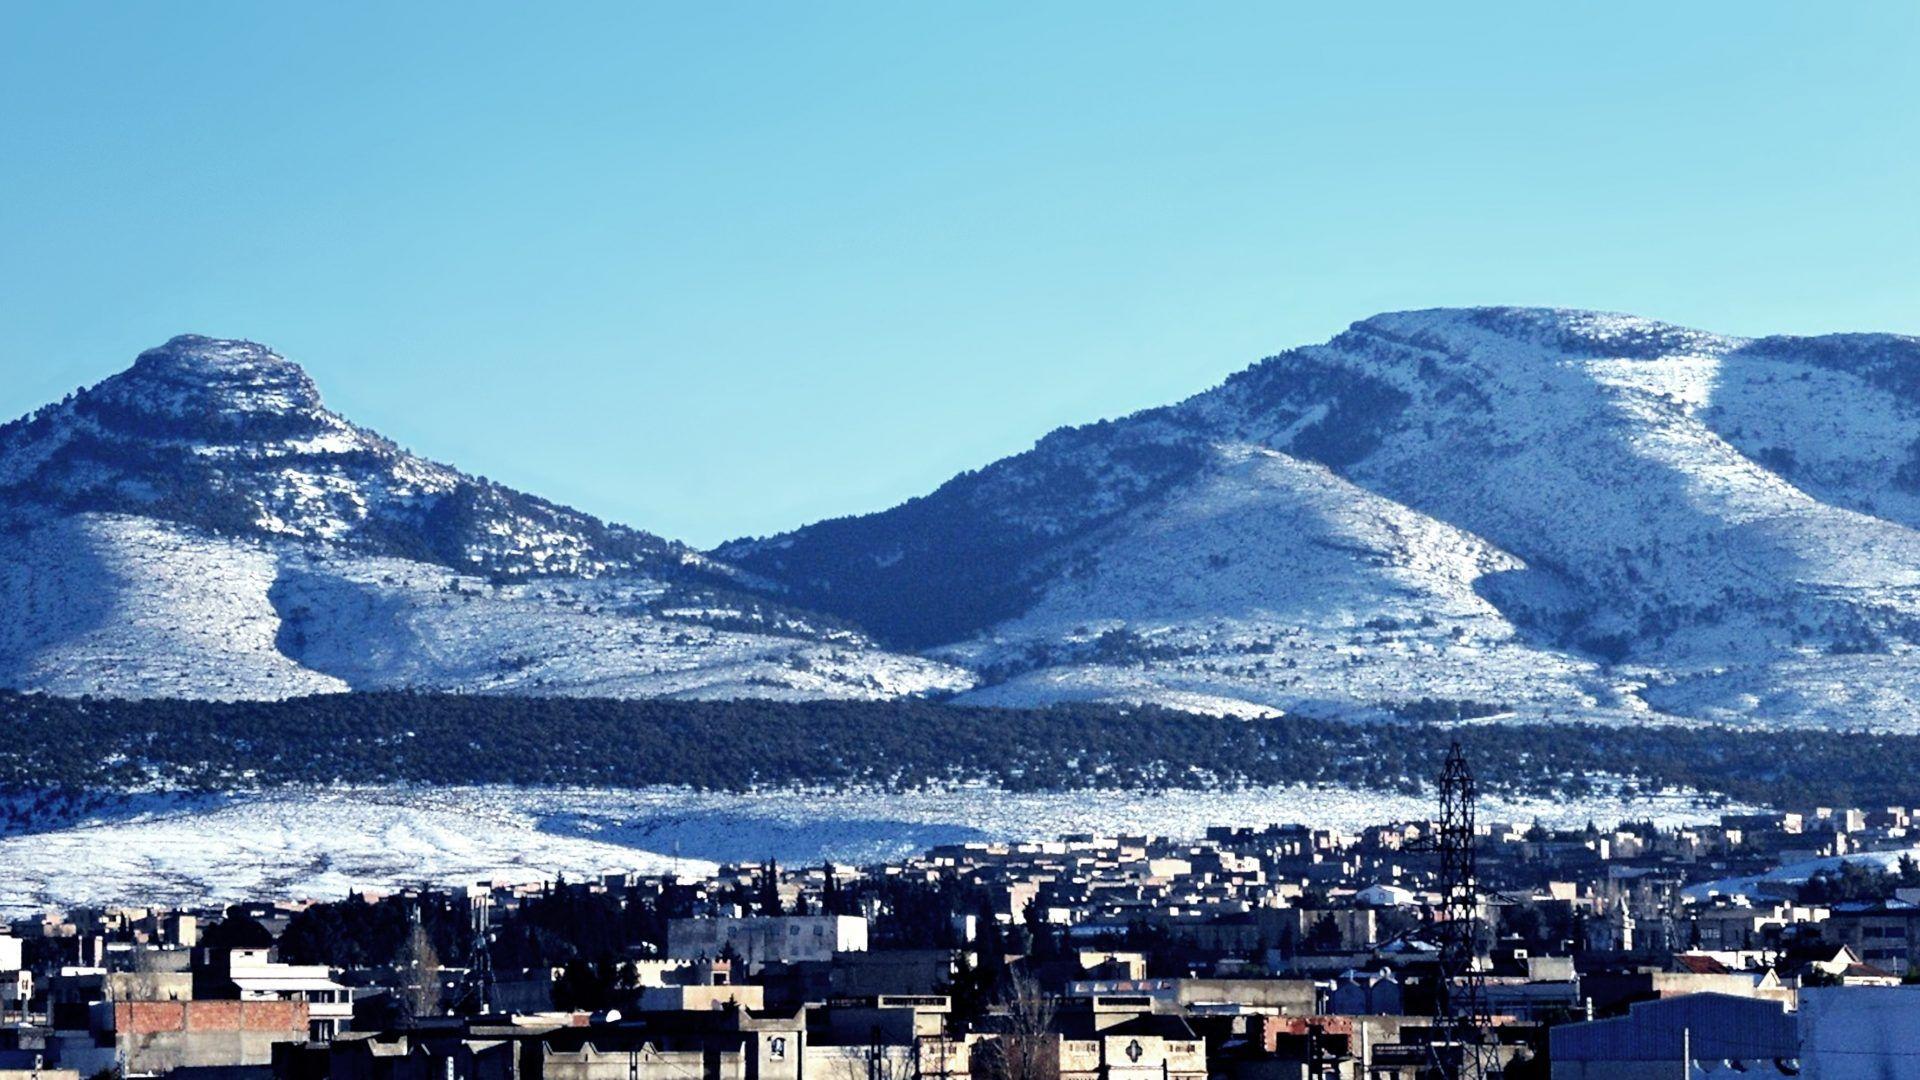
<point>1844,968</point>
<point>252,975</point>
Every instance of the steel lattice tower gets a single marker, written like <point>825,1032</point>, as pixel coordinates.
<point>1462,1006</point>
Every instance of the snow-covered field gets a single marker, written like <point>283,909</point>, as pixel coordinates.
<point>321,842</point>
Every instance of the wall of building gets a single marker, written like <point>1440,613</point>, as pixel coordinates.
<point>590,1063</point>
<point>1294,996</point>
<point>1859,1032</point>
<point>700,998</point>
<point>860,1063</point>
<point>892,971</point>
<point>1652,1034</point>
<point>1616,1070</point>
<point>364,1059</point>
<point>161,1036</point>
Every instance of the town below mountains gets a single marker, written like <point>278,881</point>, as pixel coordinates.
<point>1746,945</point>
<point>292,692</point>
<point>1521,513</point>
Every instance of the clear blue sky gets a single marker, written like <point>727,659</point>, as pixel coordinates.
<point>717,269</point>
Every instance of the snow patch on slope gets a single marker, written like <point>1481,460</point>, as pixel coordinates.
<point>1271,583</point>
<point>107,604</point>
<point>129,607</point>
<point>322,842</point>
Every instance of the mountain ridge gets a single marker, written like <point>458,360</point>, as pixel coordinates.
<point>1547,512</point>
<point>1644,479</point>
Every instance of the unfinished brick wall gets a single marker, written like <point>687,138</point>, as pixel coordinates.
<point>157,1017</point>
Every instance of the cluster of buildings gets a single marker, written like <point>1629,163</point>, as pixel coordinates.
<point>1275,953</point>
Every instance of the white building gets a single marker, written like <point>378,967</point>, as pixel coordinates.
<point>767,939</point>
<point>1382,895</point>
<point>252,976</point>
<point>16,984</point>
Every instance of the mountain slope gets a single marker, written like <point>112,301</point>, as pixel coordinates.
<point>200,525</point>
<point>1271,581</point>
<point>1648,517</point>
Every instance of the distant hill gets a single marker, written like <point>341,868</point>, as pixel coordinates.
<point>1549,512</point>
<point>200,525</point>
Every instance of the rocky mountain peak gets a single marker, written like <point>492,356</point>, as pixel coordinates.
<point>229,437</point>
<point>192,373</point>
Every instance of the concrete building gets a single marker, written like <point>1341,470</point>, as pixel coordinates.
<point>1651,1041</point>
<point>252,975</point>
<point>758,940</point>
<point>1381,895</point>
<point>1611,991</point>
<point>1884,935</point>
<point>893,1019</point>
<point>688,1046</point>
<point>893,971</point>
<point>1118,1054</point>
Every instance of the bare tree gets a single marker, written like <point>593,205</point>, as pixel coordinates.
<point>877,1060</point>
<point>1027,1048</point>
<point>417,970</point>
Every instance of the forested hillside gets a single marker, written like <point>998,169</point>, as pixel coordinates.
<point>75,745</point>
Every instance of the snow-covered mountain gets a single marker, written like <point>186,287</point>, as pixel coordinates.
<point>1551,512</point>
<point>200,525</point>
